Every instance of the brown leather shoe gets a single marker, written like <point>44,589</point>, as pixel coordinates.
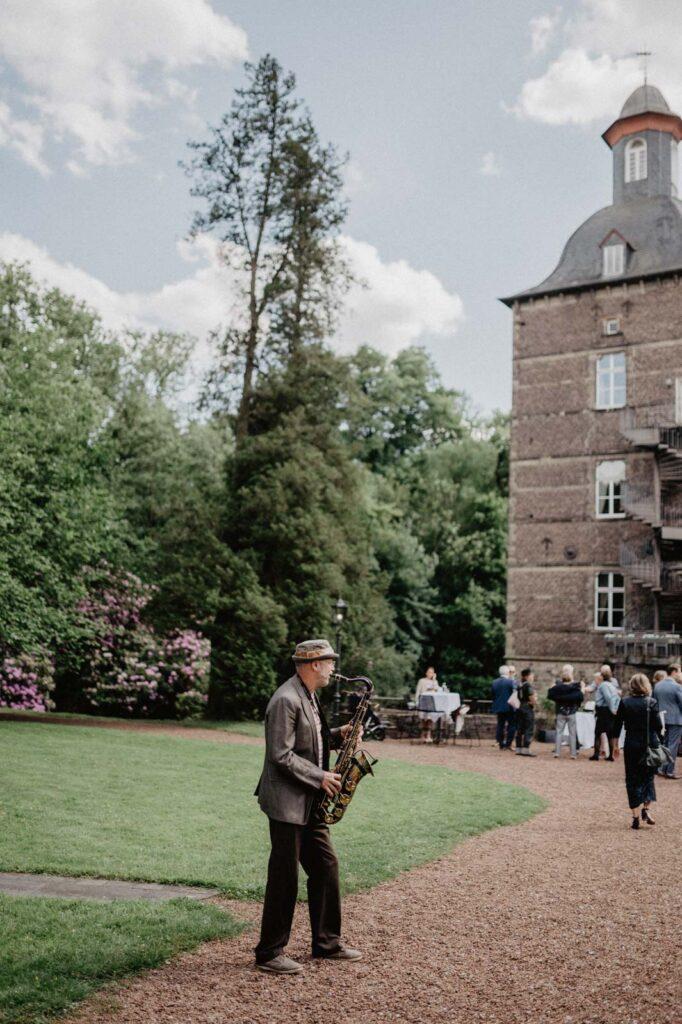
<point>280,965</point>
<point>342,953</point>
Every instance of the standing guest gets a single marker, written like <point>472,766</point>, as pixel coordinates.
<point>634,712</point>
<point>567,696</point>
<point>502,689</point>
<point>668,694</point>
<point>295,774</point>
<point>607,671</point>
<point>606,702</point>
<point>427,684</point>
<point>525,716</point>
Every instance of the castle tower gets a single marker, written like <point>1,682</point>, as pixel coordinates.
<point>595,525</point>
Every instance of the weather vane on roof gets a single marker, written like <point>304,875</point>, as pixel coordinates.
<point>643,55</point>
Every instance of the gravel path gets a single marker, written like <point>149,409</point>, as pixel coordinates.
<point>566,919</point>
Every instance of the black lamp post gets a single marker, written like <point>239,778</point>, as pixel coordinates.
<point>339,614</point>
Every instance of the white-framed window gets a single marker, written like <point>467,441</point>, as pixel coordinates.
<point>612,326</point>
<point>610,477</point>
<point>609,600</point>
<point>635,160</point>
<point>613,259</point>
<point>611,388</point>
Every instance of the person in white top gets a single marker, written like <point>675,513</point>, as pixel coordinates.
<point>427,684</point>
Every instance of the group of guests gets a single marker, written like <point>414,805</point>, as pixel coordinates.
<point>651,718</point>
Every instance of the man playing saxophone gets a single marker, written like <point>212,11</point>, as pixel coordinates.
<point>295,775</point>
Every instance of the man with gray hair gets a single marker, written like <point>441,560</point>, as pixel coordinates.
<point>295,775</point>
<point>502,689</point>
<point>668,693</point>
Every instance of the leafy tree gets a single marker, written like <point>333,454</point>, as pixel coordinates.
<point>272,194</point>
<point>445,473</point>
<point>170,481</point>
<point>58,375</point>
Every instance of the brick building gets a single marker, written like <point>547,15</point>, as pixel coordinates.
<point>595,524</point>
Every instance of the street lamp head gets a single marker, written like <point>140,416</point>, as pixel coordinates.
<point>340,609</point>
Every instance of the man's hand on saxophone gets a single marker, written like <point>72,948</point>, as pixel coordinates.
<point>331,784</point>
<point>345,729</point>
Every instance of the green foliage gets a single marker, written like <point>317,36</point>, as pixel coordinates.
<point>442,489</point>
<point>313,475</point>
<point>272,196</point>
<point>57,377</point>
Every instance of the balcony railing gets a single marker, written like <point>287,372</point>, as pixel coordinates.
<point>640,647</point>
<point>642,563</point>
<point>671,577</point>
<point>639,501</point>
<point>652,426</point>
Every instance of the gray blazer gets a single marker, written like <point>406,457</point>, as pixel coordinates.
<point>668,693</point>
<point>291,776</point>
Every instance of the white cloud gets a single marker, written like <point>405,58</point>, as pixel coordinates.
<point>490,168</point>
<point>592,75</point>
<point>87,67</point>
<point>542,28</point>
<point>24,137</point>
<point>398,306</point>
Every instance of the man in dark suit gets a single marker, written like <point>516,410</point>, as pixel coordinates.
<point>502,689</point>
<point>295,775</point>
<point>668,693</point>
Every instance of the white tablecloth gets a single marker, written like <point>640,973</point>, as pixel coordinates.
<point>438,705</point>
<point>584,727</point>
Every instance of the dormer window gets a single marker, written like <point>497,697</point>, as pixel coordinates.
<point>635,160</point>
<point>613,256</point>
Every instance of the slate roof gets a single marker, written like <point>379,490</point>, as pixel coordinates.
<point>645,99</point>
<point>652,227</point>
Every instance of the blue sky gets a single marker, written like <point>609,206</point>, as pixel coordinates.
<point>473,131</point>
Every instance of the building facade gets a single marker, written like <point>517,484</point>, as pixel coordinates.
<point>595,524</point>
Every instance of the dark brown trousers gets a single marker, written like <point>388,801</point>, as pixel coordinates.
<point>310,846</point>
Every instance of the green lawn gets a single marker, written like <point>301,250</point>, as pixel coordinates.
<point>55,952</point>
<point>84,801</point>
<point>245,728</point>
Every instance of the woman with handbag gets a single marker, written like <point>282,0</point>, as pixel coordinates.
<point>643,749</point>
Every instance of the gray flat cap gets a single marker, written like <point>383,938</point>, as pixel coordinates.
<point>314,650</point>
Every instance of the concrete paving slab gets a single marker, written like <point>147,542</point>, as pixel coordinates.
<point>97,888</point>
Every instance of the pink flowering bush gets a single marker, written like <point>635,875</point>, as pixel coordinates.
<point>132,670</point>
<point>26,682</point>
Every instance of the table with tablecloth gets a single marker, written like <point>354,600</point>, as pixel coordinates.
<point>585,722</point>
<point>435,706</point>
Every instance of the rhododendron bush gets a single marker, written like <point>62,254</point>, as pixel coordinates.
<point>130,668</point>
<point>26,682</point>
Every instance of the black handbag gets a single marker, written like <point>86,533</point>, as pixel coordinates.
<point>659,756</point>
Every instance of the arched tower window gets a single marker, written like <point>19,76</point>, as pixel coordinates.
<point>635,160</point>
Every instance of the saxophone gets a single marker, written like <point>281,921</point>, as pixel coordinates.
<point>351,764</point>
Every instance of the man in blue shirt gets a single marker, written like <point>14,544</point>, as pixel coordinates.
<point>668,693</point>
<point>502,689</point>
